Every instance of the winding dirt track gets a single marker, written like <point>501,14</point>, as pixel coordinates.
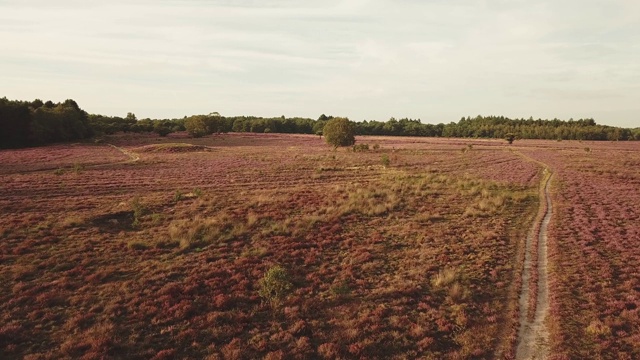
<point>533,335</point>
<point>133,157</point>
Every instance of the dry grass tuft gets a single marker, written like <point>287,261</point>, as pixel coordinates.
<point>444,278</point>
<point>598,328</point>
<point>200,232</point>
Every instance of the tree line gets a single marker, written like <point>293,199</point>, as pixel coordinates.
<point>24,123</point>
<point>30,123</point>
<point>555,129</point>
<point>501,127</point>
<point>478,127</point>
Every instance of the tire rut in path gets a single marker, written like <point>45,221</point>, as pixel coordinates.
<point>533,335</point>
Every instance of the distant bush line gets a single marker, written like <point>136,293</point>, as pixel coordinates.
<point>31,123</point>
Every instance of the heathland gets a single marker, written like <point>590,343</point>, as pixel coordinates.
<point>276,246</point>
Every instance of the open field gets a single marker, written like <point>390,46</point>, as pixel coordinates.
<point>158,248</point>
<point>594,249</point>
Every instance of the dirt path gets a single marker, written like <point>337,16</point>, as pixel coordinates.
<point>133,157</point>
<point>533,335</point>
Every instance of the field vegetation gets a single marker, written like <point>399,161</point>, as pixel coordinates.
<point>262,245</point>
<point>594,253</point>
<point>233,246</point>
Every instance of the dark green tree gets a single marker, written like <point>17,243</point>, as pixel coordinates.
<point>15,124</point>
<point>510,137</point>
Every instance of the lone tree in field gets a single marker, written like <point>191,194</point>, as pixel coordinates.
<point>339,132</point>
<point>510,137</point>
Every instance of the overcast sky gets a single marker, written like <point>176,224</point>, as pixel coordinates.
<point>436,60</point>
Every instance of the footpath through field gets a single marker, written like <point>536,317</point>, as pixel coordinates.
<point>533,335</point>
<point>133,157</point>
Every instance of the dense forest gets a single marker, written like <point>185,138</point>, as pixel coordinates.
<point>24,123</point>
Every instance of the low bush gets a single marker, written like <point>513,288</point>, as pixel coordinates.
<point>275,285</point>
<point>360,147</point>
<point>385,160</point>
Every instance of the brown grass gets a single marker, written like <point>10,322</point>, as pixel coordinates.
<point>383,262</point>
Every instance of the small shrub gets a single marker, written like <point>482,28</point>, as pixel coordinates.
<point>58,171</point>
<point>360,147</point>
<point>197,192</point>
<point>587,149</point>
<point>385,160</point>
<point>178,195</point>
<point>275,285</point>
<point>598,328</point>
<point>139,210</point>
<point>376,146</point>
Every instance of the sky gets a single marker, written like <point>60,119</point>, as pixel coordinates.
<point>434,60</point>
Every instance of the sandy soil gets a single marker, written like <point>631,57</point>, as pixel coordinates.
<point>533,336</point>
<point>133,157</point>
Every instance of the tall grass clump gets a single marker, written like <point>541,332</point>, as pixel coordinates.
<point>448,280</point>
<point>444,278</point>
